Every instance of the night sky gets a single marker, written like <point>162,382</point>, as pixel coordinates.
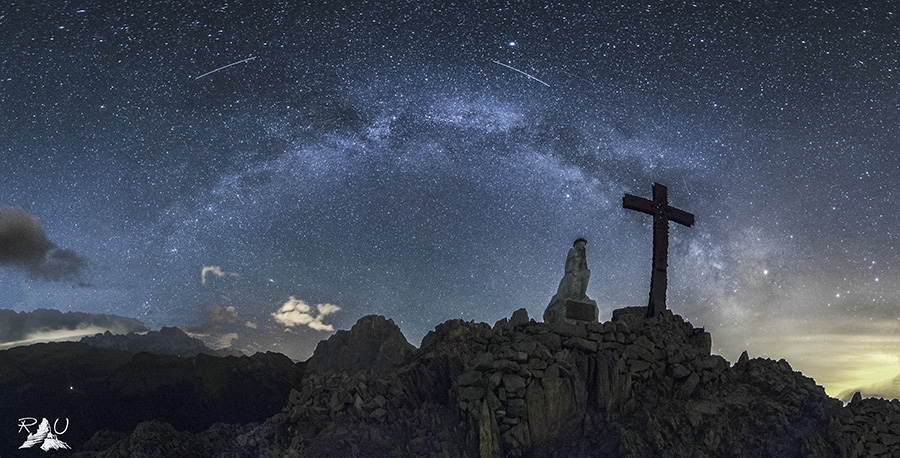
<point>427,161</point>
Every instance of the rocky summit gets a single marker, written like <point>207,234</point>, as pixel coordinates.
<point>629,387</point>
<point>374,343</point>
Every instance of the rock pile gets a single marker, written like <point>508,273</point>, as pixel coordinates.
<point>868,428</point>
<point>628,387</point>
<point>544,389</point>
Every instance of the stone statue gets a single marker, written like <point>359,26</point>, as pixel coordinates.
<point>572,291</point>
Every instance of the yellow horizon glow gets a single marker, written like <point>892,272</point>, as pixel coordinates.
<point>839,362</point>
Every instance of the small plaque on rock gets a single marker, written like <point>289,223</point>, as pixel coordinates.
<point>581,311</point>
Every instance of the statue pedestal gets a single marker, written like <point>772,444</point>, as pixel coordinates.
<point>582,311</point>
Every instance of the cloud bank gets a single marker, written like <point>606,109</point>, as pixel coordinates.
<point>295,312</point>
<point>216,318</point>
<point>220,314</point>
<point>24,245</point>
<point>24,328</point>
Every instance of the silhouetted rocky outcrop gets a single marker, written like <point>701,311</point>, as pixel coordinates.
<point>628,387</point>
<point>166,341</point>
<point>374,343</point>
<point>632,386</point>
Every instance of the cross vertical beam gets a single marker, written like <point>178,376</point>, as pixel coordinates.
<point>662,213</point>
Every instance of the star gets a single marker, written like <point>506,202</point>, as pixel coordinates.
<point>410,163</point>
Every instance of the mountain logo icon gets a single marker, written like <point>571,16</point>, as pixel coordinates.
<point>43,435</point>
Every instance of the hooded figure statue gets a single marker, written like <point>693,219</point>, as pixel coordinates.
<point>572,287</point>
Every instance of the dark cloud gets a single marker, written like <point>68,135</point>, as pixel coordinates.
<point>22,240</point>
<point>216,318</point>
<point>22,326</point>
<point>59,265</point>
<point>219,314</point>
<point>23,244</point>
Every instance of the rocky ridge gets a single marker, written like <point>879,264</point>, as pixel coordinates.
<point>108,392</point>
<point>627,387</point>
<point>166,341</point>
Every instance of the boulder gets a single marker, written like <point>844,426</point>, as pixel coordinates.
<point>519,317</point>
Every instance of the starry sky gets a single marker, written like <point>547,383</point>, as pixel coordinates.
<point>267,172</point>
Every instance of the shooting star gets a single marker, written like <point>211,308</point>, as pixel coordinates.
<point>226,66</point>
<point>520,71</point>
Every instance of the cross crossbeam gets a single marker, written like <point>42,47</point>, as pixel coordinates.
<point>662,213</point>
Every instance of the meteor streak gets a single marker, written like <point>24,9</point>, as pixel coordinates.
<point>520,71</point>
<point>229,65</point>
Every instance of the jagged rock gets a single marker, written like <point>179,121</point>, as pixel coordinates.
<point>488,432</point>
<point>519,317</point>
<point>373,343</point>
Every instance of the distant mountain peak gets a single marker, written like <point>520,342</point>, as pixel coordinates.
<point>167,341</point>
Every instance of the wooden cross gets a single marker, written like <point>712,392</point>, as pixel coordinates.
<point>661,211</point>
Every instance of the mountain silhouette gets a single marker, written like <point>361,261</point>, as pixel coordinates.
<point>100,389</point>
<point>631,386</point>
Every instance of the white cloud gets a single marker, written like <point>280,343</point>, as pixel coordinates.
<point>327,309</point>
<point>225,340</point>
<point>58,335</point>
<point>215,270</point>
<point>319,326</point>
<point>295,312</point>
<point>250,325</point>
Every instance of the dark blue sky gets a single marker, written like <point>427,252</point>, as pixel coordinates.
<point>385,158</point>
